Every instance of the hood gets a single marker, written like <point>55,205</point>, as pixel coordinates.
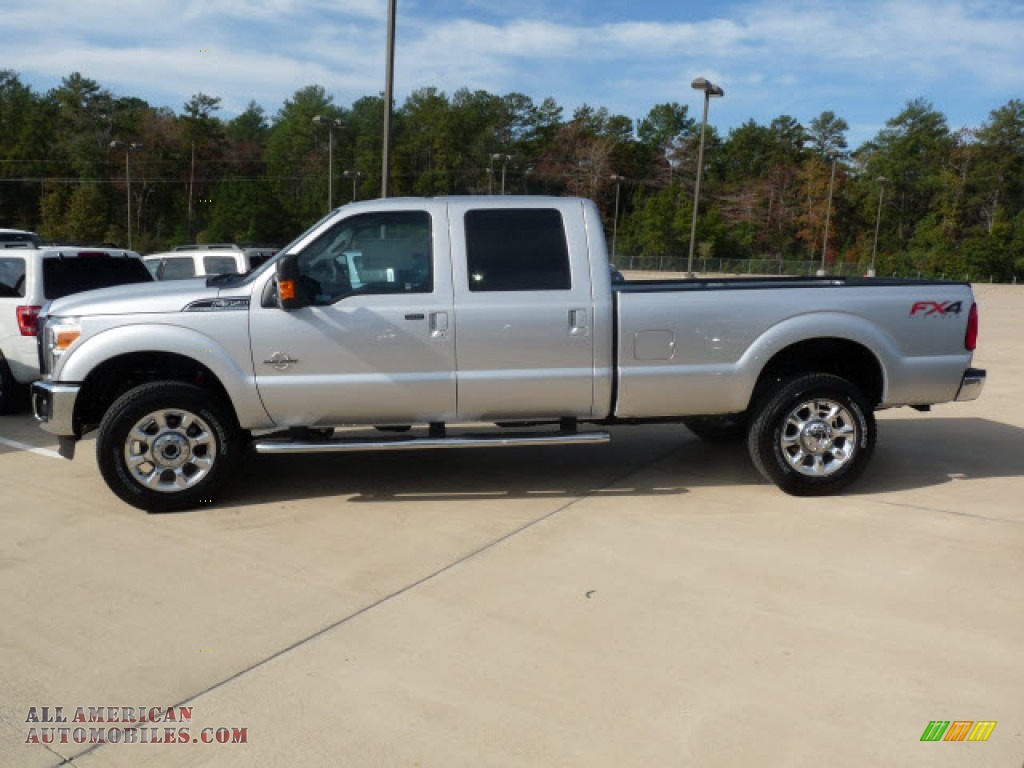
<point>138,298</point>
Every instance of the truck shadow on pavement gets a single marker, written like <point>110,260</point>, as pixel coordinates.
<point>663,460</point>
<point>927,451</point>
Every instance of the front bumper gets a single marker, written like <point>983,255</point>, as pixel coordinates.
<point>971,385</point>
<point>54,407</point>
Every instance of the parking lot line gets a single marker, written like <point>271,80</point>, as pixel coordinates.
<point>30,448</point>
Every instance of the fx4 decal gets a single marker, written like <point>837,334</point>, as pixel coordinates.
<point>935,308</point>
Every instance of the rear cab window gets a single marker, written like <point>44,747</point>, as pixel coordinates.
<point>517,250</point>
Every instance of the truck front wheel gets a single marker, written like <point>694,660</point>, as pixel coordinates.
<point>167,446</point>
<point>813,436</point>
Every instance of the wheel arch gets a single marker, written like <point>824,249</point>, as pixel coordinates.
<point>839,356</point>
<point>117,375</point>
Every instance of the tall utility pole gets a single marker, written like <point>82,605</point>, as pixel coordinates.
<point>828,215</point>
<point>389,87</point>
<point>878,221</point>
<point>128,149</point>
<point>615,221</point>
<point>191,184</point>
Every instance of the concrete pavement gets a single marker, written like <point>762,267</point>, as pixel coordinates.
<point>648,603</point>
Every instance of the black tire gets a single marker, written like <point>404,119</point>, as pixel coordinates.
<point>12,393</point>
<point>813,436</point>
<point>193,445</point>
<point>725,428</point>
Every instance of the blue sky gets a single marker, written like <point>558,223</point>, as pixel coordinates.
<point>862,59</point>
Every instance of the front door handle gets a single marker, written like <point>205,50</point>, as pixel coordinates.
<point>439,325</point>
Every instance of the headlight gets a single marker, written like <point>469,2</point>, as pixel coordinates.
<point>58,336</point>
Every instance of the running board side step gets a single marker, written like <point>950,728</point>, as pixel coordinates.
<point>404,443</point>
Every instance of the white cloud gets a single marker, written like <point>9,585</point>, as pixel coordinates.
<point>862,59</point>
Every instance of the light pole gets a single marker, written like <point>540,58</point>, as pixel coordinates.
<point>504,164</point>
<point>331,124</point>
<point>128,149</point>
<point>710,89</point>
<point>615,221</point>
<point>828,214</point>
<point>389,89</point>
<point>354,175</point>
<point>878,220</point>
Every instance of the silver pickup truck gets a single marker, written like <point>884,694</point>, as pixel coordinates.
<point>419,315</point>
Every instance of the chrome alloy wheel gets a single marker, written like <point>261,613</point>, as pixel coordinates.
<point>170,450</point>
<point>819,437</point>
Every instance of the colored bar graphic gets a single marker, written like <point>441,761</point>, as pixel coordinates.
<point>982,730</point>
<point>959,730</point>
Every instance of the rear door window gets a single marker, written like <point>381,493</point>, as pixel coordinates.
<point>512,249</point>
<point>65,275</point>
<point>12,278</point>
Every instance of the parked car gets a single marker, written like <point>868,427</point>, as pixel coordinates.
<point>207,259</point>
<point>450,311</point>
<point>30,277</point>
<point>22,236</point>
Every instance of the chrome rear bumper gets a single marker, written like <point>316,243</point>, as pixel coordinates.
<point>971,385</point>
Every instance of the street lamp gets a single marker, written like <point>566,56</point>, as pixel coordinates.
<point>504,164</point>
<point>878,220</point>
<point>331,124</point>
<point>354,175</point>
<point>710,89</point>
<point>615,221</point>
<point>828,214</point>
<point>128,149</point>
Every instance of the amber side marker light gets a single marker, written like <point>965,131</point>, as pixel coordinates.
<point>65,339</point>
<point>286,289</point>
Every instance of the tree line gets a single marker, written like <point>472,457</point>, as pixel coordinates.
<point>944,200</point>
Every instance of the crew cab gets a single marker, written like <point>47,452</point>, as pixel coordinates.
<point>426,314</point>
<point>31,275</point>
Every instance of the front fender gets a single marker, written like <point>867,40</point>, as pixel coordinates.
<point>232,367</point>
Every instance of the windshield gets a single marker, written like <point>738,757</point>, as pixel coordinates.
<point>248,277</point>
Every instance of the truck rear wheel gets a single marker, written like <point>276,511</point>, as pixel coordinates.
<point>813,436</point>
<point>167,446</point>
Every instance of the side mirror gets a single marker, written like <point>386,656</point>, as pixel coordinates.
<point>289,294</point>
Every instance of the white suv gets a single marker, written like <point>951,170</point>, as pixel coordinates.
<point>203,260</point>
<point>30,277</point>
<point>19,236</point>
